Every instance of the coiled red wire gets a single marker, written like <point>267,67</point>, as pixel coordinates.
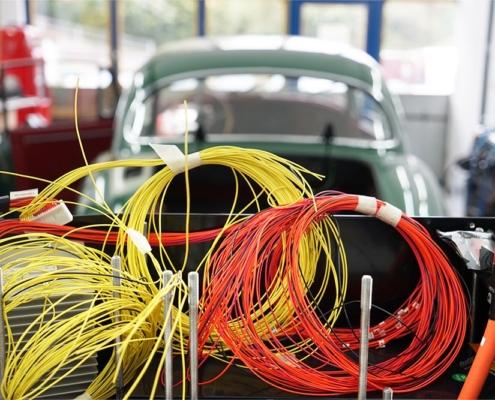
<point>267,247</point>
<point>303,354</point>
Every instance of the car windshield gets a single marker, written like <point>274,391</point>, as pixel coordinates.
<point>269,104</point>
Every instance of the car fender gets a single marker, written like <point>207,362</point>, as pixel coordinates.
<point>408,183</point>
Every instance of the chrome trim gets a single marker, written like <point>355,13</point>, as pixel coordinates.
<point>274,138</point>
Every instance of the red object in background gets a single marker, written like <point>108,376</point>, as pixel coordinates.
<point>50,152</point>
<point>22,76</point>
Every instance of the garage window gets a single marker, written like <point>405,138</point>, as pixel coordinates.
<point>418,51</point>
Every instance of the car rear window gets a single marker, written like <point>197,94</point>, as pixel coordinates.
<point>259,104</point>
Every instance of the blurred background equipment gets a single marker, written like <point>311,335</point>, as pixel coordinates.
<point>296,116</point>
<point>24,93</point>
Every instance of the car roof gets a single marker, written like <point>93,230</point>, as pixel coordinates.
<point>261,51</point>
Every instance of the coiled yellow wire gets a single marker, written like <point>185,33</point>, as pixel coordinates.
<point>56,340</point>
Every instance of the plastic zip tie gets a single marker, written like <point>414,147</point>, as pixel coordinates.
<point>175,159</point>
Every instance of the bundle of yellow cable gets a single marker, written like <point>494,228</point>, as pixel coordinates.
<point>71,289</point>
<point>52,190</point>
<point>280,180</point>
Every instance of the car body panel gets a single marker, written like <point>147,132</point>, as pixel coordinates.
<point>398,177</point>
<point>403,180</point>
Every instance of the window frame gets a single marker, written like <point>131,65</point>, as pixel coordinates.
<point>395,127</point>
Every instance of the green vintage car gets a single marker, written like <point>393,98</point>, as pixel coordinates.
<point>322,105</point>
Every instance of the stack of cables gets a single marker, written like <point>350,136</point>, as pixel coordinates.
<point>133,313</point>
<point>261,306</point>
<point>74,311</point>
<point>261,302</point>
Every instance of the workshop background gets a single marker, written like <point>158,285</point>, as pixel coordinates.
<point>215,199</point>
<point>436,55</point>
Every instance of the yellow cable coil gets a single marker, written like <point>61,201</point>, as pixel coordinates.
<point>283,182</point>
<point>57,342</point>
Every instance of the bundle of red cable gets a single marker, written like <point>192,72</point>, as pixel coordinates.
<point>99,235</point>
<point>257,270</point>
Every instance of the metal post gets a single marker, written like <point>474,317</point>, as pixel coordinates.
<point>27,10</point>
<point>2,334</point>
<point>486,69</point>
<point>201,17</point>
<point>3,97</point>
<point>167,307</point>
<point>366,288</point>
<point>375,11</point>
<point>388,393</point>
<point>117,282</point>
<point>193,282</point>
<point>114,47</point>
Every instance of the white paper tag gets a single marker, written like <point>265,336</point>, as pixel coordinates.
<point>23,194</point>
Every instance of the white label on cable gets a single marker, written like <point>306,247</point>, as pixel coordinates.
<point>175,159</point>
<point>482,341</point>
<point>23,194</point>
<point>366,205</point>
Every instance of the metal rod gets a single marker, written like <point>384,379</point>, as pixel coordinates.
<point>366,288</point>
<point>167,309</point>
<point>486,68</point>
<point>117,282</point>
<point>27,7</point>
<point>114,37</point>
<point>193,282</point>
<point>3,96</point>
<point>388,393</point>
<point>2,334</point>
